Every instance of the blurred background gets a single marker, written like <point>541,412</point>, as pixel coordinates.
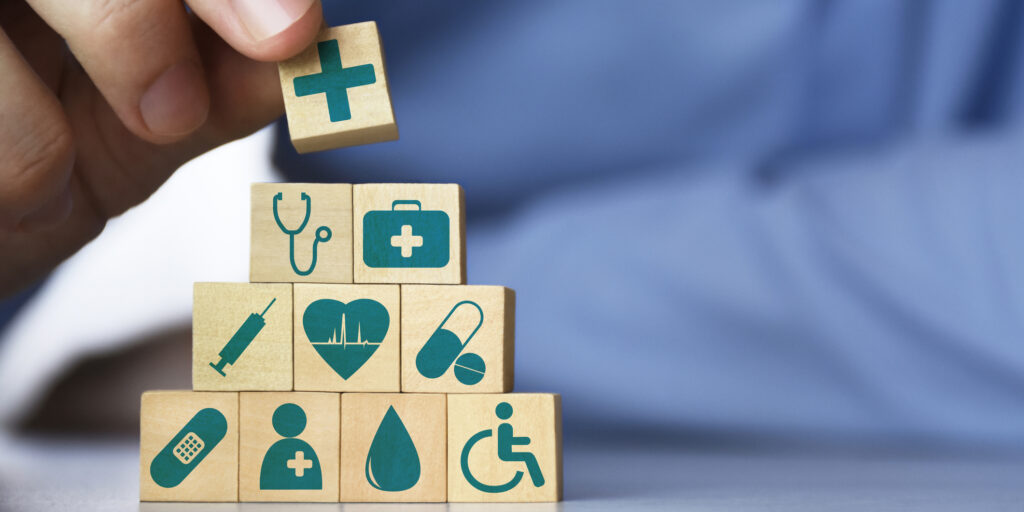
<point>774,224</point>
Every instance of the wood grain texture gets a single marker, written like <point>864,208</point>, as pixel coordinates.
<point>424,416</point>
<point>380,197</point>
<point>534,415</point>
<point>372,117</point>
<point>218,311</point>
<point>257,435</point>
<point>424,307</point>
<point>162,416</point>
<point>380,372</point>
<point>270,257</point>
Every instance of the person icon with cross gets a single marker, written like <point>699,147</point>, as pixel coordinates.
<point>290,463</point>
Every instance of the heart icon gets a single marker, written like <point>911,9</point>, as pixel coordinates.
<point>345,335</point>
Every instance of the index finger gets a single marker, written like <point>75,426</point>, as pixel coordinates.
<point>141,55</point>
<point>265,30</point>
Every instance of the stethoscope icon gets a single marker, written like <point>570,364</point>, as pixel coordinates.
<point>323,234</point>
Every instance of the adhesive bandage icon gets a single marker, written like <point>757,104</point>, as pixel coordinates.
<point>188,447</point>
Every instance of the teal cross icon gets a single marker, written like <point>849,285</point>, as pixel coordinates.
<point>334,80</point>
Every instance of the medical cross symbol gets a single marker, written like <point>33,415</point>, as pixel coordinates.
<point>406,241</point>
<point>334,80</point>
<point>300,464</point>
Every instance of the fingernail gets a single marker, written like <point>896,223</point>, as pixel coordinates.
<point>267,18</point>
<point>51,214</point>
<point>177,102</point>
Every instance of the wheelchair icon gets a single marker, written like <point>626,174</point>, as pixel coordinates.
<point>506,440</point>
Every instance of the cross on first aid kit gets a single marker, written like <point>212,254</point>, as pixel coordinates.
<point>406,238</point>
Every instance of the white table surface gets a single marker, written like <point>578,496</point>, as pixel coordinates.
<point>58,475</point>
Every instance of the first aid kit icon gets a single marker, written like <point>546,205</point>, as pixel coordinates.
<point>406,238</point>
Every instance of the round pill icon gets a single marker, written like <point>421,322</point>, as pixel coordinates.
<point>446,343</point>
<point>469,369</point>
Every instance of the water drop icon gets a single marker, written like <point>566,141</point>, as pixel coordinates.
<point>392,463</point>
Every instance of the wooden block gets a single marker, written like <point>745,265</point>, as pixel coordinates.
<point>528,470</point>
<point>393,447</point>
<point>438,319</point>
<point>241,337</point>
<point>188,446</point>
<point>301,232</point>
<point>409,233</point>
<point>331,322</point>
<point>289,446</point>
<point>336,91</point>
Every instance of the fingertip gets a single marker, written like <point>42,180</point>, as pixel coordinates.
<point>176,103</point>
<point>264,30</point>
<point>141,56</point>
<point>293,38</point>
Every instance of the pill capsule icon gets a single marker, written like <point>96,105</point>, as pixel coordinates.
<point>449,339</point>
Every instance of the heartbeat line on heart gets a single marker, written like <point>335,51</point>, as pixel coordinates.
<point>338,336</point>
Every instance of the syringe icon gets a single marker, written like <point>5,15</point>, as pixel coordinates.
<point>241,340</point>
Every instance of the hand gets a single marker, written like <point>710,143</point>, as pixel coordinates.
<point>104,99</point>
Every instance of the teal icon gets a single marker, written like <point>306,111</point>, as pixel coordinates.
<point>469,369</point>
<point>323,233</point>
<point>188,448</point>
<point>290,463</point>
<point>333,80</point>
<point>392,463</point>
<point>406,238</point>
<point>443,347</point>
<point>506,442</point>
<point>241,339</point>
<point>346,335</point>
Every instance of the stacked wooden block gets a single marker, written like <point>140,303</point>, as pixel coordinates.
<point>356,365</point>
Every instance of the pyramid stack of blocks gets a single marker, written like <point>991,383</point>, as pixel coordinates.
<point>356,365</point>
